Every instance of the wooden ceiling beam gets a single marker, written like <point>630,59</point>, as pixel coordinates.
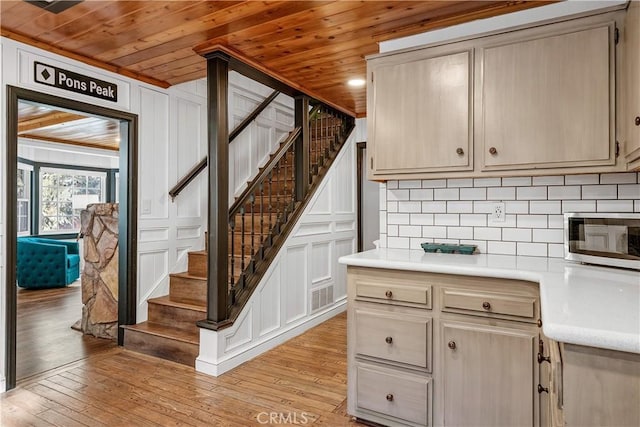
<point>107,145</point>
<point>49,119</point>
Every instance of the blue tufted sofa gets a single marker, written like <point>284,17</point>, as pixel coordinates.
<point>47,263</point>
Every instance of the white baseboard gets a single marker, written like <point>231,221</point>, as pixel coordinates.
<point>3,385</point>
<point>228,362</point>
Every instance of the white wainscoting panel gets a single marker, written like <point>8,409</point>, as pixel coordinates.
<point>296,270</point>
<point>270,294</point>
<point>320,262</point>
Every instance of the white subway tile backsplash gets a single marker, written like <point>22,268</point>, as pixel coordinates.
<point>581,179</point>
<point>519,207</point>
<point>473,220</point>
<point>555,250</point>
<point>460,182</point>
<point>629,191</point>
<point>410,207</point>
<point>382,241</point>
<point>460,207</point>
<point>434,231</point>
<point>636,205</point>
<point>421,219</point>
<point>487,182</point>
<point>531,249</point>
<point>516,234</point>
<point>614,205</point>
<point>460,232</point>
<point>531,193</point>
<point>501,193</point>
<point>548,180</point>
<point>410,184</point>
<point>556,221</point>
<point>619,178</point>
<point>599,192</point>
<point>459,210</point>
<point>434,183</point>
<point>410,231</point>
<point>516,181</point>
<point>532,221</point>
<point>487,233</point>
<point>545,207</point>
<point>434,207</point>
<point>398,218</point>
<point>501,248</point>
<point>446,194</point>
<point>398,242</point>
<point>446,219</point>
<point>564,192</point>
<point>473,194</point>
<point>547,235</point>
<point>578,206</point>
<point>422,194</point>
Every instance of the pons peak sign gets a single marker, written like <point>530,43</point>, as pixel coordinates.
<point>74,82</point>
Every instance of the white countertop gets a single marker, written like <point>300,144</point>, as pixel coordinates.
<point>580,304</point>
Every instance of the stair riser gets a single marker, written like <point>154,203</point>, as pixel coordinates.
<point>189,291</point>
<point>178,317</point>
<point>198,264</point>
<point>165,348</point>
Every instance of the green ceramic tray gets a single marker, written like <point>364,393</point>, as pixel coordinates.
<point>449,249</point>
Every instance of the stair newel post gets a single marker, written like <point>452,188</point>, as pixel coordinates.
<point>301,149</point>
<point>218,191</point>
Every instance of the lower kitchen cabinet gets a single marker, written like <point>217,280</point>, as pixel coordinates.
<point>489,374</point>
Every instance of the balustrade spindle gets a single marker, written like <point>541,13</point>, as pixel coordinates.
<point>252,200</point>
<point>270,178</point>
<point>232,225</point>
<point>242,244</point>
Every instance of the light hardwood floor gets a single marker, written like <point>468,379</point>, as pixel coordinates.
<point>302,381</point>
<point>45,339</point>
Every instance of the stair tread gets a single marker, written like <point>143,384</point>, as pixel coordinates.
<point>166,331</point>
<point>186,275</point>
<point>166,300</point>
<point>200,252</point>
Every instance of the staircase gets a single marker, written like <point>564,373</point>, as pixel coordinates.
<point>259,221</point>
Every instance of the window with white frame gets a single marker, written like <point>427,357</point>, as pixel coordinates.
<point>24,199</point>
<point>63,195</point>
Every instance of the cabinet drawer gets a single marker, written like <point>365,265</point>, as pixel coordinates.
<point>488,303</point>
<point>394,292</point>
<point>394,394</point>
<point>394,337</point>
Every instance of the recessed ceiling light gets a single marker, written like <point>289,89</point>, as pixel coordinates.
<point>356,82</point>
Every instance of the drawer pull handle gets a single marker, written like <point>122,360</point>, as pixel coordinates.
<point>390,397</point>
<point>541,358</point>
<point>388,340</point>
<point>637,121</point>
<point>542,389</point>
<point>452,345</point>
<point>459,151</point>
<point>493,151</point>
<point>486,305</point>
<point>388,294</point>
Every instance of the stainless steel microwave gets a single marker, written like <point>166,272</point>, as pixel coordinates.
<point>603,238</point>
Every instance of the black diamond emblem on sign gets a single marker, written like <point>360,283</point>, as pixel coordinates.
<point>45,74</point>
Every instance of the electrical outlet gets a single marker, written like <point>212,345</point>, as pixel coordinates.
<point>497,213</point>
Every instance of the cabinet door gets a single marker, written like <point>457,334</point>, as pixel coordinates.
<point>631,117</point>
<point>489,375</point>
<point>547,101</point>
<point>420,113</point>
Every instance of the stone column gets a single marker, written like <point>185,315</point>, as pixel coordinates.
<point>99,226</point>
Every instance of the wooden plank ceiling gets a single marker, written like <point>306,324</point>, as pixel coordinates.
<point>317,45</point>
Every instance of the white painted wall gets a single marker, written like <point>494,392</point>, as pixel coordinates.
<point>304,285</point>
<point>172,137</point>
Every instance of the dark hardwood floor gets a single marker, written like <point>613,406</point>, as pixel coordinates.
<point>45,339</point>
<point>300,382</point>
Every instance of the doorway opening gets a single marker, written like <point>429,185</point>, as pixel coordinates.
<point>368,204</point>
<point>63,155</point>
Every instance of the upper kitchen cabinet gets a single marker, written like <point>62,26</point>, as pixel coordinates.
<point>546,98</point>
<point>631,116</point>
<point>419,118</point>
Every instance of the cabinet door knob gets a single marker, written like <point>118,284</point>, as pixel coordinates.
<point>542,389</point>
<point>390,397</point>
<point>388,340</point>
<point>388,294</point>
<point>493,151</point>
<point>486,305</point>
<point>637,121</point>
<point>452,345</point>
<point>460,151</point>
